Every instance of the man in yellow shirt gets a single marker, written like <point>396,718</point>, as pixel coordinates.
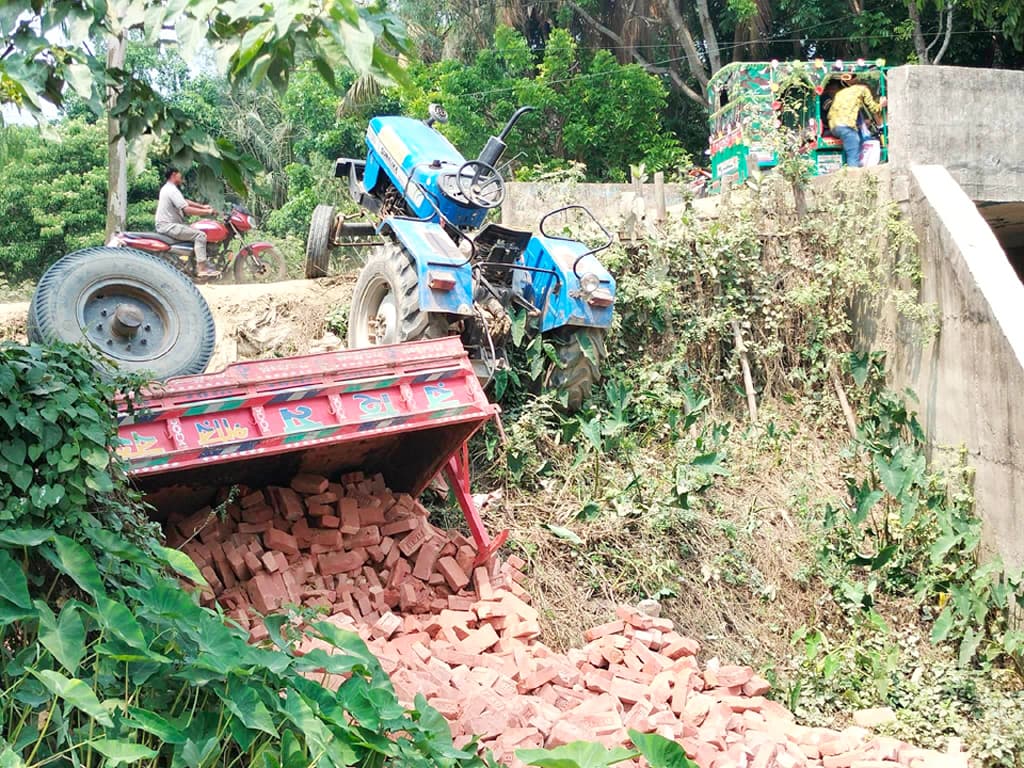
<point>842,117</point>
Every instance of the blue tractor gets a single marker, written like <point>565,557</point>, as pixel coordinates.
<point>442,271</point>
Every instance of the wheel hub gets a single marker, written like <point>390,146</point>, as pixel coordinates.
<point>127,321</point>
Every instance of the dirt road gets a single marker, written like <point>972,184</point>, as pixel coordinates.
<point>253,321</point>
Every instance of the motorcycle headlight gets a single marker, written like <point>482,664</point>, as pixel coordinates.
<point>251,221</point>
<point>589,283</point>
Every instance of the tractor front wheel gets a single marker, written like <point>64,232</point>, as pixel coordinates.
<point>318,242</point>
<point>385,303</point>
<point>581,351</point>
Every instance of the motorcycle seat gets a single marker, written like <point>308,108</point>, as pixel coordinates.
<point>157,236</point>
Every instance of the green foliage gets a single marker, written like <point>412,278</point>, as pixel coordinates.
<point>51,49</point>
<point>658,751</point>
<point>910,530</point>
<point>591,109</point>
<point>53,199</point>
<point>105,659</point>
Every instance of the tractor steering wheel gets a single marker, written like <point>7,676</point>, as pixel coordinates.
<point>480,184</point>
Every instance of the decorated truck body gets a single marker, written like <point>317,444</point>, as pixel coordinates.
<point>749,101</point>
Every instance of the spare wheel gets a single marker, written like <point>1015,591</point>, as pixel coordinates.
<point>134,309</point>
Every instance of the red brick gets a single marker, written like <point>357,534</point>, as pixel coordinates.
<point>309,484</point>
<point>252,562</point>
<point>398,574</point>
<point>267,592</point>
<point>330,521</point>
<point>319,510</point>
<point>603,630</point>
<point>257,514</point>
<point>254,499</point>
<point>626,690</point>
<point>255,527</point>
<point>364,538</point>
<point>280,542</point>
<point>328,498</point>
<point>413,541</point>
<point>342,562</point>
<point>326,537</point>
<point>269,562</point>
<point>400,526</point>
<point>453,574</point>
<point>371,513</point>
<point>427,559</point>
<point>681,646</point>
<point>288,503</point>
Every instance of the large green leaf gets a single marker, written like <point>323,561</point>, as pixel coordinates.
<point>942,625</point>
<point>156,724</point>
<point>182,564</point>
<point>76,562</point>
<point>64,637</point>
<point>659,751</point>
<point>117,751</point>
<point>25,537</point>
<point>13,585</point>
<point>117,619</point>
<point>76,693</point>
<point>577,754</point>
<point>245,704</point>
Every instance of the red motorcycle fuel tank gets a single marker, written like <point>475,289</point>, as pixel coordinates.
<point>215,231</point>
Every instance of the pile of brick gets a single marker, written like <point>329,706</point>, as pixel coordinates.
<point>350,547</point>
<point>635,672</point>
<point>468,638</point>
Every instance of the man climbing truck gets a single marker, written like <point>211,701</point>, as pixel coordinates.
<point>851,113</point>
<point>749,101</point>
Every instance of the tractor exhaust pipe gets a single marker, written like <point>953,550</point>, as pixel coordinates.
<point>495,146</point>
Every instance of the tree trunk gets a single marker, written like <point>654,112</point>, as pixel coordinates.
<point>117,153</point>
<point>920,48</point>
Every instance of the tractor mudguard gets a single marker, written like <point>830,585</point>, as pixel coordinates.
<point>558,292</point>
<point>444,274</point>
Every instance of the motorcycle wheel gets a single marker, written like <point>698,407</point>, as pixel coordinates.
<point>136,311</point>
<point>576,372</point>
<point>318,241</point>
<point>385,305</point>
<point>264,267</point>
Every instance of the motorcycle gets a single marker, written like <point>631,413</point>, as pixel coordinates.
<point>259,262</point>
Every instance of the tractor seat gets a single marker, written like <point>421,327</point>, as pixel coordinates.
<point>157,236</point>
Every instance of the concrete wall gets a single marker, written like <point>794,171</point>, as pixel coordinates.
<point>970,378</point>
<point>612,204</point>
<point>968,120</point>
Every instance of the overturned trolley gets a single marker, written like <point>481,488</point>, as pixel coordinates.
<point>405,411</point>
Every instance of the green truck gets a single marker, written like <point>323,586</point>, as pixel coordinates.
<point>748,101</point>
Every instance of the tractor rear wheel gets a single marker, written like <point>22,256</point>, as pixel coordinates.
<point>318,242</point>
<point>581,351</point>
<point>133,309</point>
<point>385,303</point>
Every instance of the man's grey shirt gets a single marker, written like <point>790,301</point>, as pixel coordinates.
<point>171,206</point>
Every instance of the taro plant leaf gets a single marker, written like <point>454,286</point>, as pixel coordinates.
<point>13,585</point>
<point>293,751</point>
<point>349,642</point>
<point>866,499</point>
<point>195,754</point>
<point>117,751</point>
<point>158,725</point>
<point>565,534</point>
<point>712,463</point>
<point>10,759</point>
<point>243,702</point>
<point>319,738</point>
<point>592,431</point>
<point>892,474</point>
<point>76,693</point>
<point>660,752</point>
<point>182,564</point>
<point>969,646</point>
<point>860,365</point>
<point>576,754</point>
<point>942,625</point>
<point>64,637</point>
<point>117,619</point>
<point>74,560</point>
<point>25,537</point>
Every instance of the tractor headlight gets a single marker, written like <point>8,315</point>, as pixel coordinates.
<point>589,283</point>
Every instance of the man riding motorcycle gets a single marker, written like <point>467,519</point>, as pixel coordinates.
<point>171,211</point>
